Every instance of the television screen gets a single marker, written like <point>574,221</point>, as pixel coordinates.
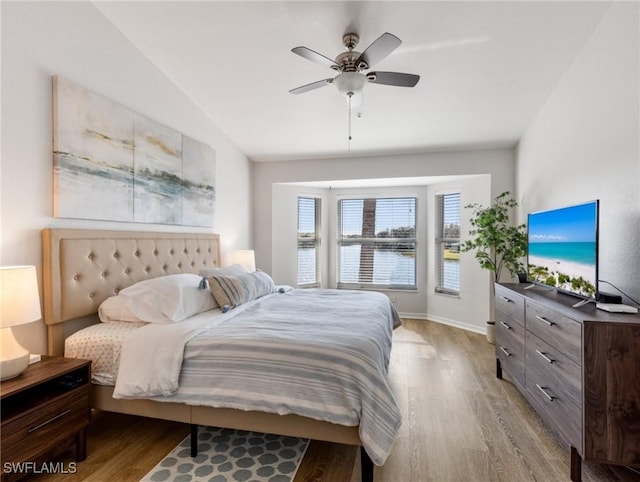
<point>563,249</point>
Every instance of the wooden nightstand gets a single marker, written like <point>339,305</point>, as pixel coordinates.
<point>43,408</point>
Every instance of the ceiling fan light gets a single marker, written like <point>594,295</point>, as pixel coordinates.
<point>350,82</point>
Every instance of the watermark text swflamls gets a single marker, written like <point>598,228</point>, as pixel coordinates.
<point>40,468</point>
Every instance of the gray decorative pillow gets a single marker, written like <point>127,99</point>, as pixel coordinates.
<point>233,291</point>
<point>231,270</point>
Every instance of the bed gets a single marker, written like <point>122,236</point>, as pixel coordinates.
<point>82,268</point>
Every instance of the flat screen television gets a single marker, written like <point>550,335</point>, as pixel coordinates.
<point>563,249</point>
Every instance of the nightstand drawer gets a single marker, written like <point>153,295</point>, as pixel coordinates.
<point>26,436</point>
<point>557,330</point>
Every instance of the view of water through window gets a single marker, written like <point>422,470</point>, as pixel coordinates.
<point>389,267</point>
<point>448,243</point>
<point>307,240</point>
<point>377,242</point>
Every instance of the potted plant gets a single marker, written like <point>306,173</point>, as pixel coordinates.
<point>498,244</point>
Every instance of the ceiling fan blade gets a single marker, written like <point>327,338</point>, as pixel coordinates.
<point>397,79</point>
<point>312,86</point>
<point>314,56</point>
<point>378,50</point>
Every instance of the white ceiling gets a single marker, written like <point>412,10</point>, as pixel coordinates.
<point>486,69</point>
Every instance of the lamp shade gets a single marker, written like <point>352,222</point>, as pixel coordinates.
<point>244,257</point>
<point>19,297</point>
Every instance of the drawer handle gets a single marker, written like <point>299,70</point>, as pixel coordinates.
<point>505,351</point>
<point>37,427</point>
<point>508,300</point>
<point>551,398</point>
<point>544,320</point>
<point>505,325</point>
<point>544,356</point>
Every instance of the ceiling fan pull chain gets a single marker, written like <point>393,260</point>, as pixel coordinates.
<point>350,94</point>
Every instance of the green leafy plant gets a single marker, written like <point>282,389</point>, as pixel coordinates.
<point>497,243</point>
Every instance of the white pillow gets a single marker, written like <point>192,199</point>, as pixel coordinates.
<point>167,299</point>
<point>115,309</point>
<point>231,270</point>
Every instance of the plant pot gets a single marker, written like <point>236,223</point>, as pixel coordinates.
<point>491,332</point>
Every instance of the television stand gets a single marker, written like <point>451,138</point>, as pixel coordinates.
<point>582,303</point>
<point>537,285</point>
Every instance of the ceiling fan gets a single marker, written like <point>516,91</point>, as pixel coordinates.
<point>351,66</point>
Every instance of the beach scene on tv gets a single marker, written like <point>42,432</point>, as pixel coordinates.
<point>563,248</point>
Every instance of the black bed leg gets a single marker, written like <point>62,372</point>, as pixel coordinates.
<point>366,466</point>
<point>194,440</point>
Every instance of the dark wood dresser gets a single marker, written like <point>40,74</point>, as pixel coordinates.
<point>43,408</point>
<point>579,368</point>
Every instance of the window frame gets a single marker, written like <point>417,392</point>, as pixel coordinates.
<point>340,240</point>
<point>316,240</point>
<point>440,239</point>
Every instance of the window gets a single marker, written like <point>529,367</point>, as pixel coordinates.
<point>308,240</point>
<point>448,243</point>
<point>377,243</point>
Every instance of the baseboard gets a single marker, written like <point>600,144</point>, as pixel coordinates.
<point>446,321</point>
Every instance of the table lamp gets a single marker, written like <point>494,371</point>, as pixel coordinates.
<point>244,257</point>
<point>19,304</point>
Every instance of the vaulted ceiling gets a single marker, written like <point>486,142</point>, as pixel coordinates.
<point>485,68</point>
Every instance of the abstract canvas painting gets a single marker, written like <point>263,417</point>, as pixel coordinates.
<point>111,163</point>
<point>157,192</point>
<point>198,182</point>
<point>92,155</point>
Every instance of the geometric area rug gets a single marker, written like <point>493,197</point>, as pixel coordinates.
<point>226,455</point>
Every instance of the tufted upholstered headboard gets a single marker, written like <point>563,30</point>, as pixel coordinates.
<point>82,268</point>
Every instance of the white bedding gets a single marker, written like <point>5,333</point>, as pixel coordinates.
<point>152,356</point>
<point>322,354</point>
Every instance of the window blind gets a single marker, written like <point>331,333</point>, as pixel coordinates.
<point>448,243</point>
<point>308,240</point>
<point>377,243</point>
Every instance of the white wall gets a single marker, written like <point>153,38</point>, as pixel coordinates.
<point>75,41</point>
<point>584,144</point>
<point>273,209</point>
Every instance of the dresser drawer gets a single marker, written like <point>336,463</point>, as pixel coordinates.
<point>553,370</point>
<point>557,330</point>
<point>509,303</point>
<point>556,409</point>
<point>510,348</point>
<point>26,436</point>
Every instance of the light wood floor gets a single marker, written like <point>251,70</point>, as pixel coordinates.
<point>460,423</point>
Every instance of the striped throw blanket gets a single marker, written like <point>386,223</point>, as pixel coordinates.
<point>317,353</point>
